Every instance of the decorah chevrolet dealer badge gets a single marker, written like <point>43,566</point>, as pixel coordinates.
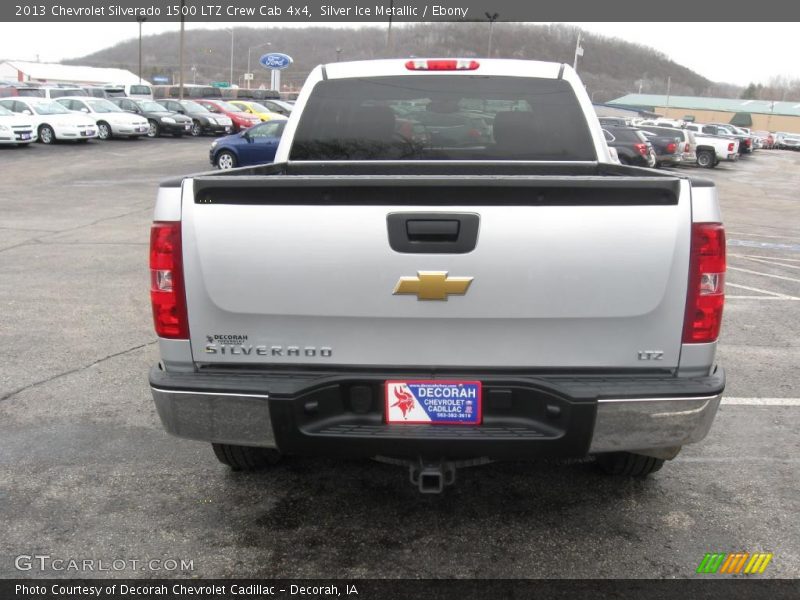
<point>437,402</point>
<point>432,285</point>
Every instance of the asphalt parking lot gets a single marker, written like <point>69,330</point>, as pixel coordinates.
<point>88,473</point>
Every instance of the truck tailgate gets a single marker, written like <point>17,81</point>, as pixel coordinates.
<point>566,272</point>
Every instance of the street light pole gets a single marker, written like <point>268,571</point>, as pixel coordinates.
<point>140,20</point>
<point>338,52</point>
<point>492,18</point>
<point>578,52</point>
<point>180,52</point>
<point>231,31</point>
<point>389,40</point>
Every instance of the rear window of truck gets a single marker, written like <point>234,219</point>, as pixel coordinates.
<point>443,117</point>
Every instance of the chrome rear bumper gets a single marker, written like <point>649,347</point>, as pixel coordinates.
<point>192,407</point>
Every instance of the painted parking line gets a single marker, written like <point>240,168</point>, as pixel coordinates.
<point>761,401</point>
<point>780,258</point>
<point>782,277</point>
<point>764,245</point>
<point>761,235</point>
<point>766,261</point>
<point>769,296</point>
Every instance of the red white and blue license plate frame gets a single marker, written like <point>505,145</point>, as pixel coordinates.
<point>457,402</point>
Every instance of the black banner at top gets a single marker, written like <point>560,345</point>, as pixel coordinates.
<point>345,11</point>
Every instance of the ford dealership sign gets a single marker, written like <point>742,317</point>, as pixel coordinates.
<point>275,60</point>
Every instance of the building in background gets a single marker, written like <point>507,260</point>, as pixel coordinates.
<point>766,115</point>
<point>54,73</point>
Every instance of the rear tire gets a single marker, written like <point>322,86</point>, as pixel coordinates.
<point>628,464</point>
<point>706,159</point>
<point>245,458</point>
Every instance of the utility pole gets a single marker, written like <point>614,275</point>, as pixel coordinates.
<point>140,20</point>
<point>231,31</point>
<point>180,74</point>
<point>578,52</point>
<point>389,39</point>
<point>492,18</point>
<point>669,85</point>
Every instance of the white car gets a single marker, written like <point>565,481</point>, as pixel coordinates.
<point>111,120</point>
<point>14,129</point>
<point>52,121</point>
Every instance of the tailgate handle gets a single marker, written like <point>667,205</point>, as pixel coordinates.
<point>433,233</point>
<point>432,230</point>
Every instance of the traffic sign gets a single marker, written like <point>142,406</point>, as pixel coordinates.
<point>220,84</point>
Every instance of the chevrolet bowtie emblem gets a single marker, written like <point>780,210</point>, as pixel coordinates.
<point>432,285</point>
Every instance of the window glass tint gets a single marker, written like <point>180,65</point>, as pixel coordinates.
<point>50,108</point>
<point>102,106</point>
<point>269,129</point>
<point>141,90</point>
<point>150,106</point>
<point>31,92</point>
<point>624,134</point>
<point>193,107</point>
<point>443,117</point>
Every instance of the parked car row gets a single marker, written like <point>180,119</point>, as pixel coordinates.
<point>678,142</point>
<point>83,117</point>
<point>110,90</point>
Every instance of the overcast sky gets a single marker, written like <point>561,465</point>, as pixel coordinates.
<point>772,50</point>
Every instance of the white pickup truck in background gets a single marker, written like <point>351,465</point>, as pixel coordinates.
<point>383,290</point>
<point>712,149</point>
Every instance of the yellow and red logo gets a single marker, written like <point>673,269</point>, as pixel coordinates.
<point>722,563</point>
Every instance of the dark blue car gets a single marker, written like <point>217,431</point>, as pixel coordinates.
<point>255,146</point>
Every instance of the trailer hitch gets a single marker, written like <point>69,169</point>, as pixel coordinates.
<point>431,476</point>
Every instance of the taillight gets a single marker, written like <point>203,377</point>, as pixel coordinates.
<point>687,148</point>
<point>167,293</point>
<point>474,133</point>
<point>641,149</point>
<point>730,147</point>
<point>442,65</point>
<point>706,294</point>
<point>671,148</point>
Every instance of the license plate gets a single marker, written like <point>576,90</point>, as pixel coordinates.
<point>143,129</point>
<point>24,136</point>
<point>436,402</point>
<point>188,126</point>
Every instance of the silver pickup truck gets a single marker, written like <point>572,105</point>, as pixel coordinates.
<point>402,285</point>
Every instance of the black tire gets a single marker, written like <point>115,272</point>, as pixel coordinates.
<point>197,129</point>
<point>706,159</point>
<point>155,130</point>
<point>104,131</point>
<point>245,458</point>
<point>46,134</point>
<point>627,464</point>
<point>226,160</point>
